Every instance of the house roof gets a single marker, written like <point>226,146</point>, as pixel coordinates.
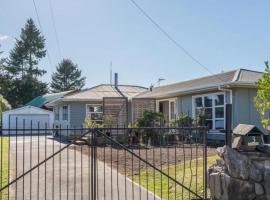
<point>47,98</point>
<point>238,77</point>
<point>97,93</point>
<point>27,110</point>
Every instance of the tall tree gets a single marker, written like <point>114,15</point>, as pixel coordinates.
<point>5,81</point>
<point>23,65</point>
<point>67,77</point>
<point>262,99</point>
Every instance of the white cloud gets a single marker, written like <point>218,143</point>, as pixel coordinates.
<point>5,38</point>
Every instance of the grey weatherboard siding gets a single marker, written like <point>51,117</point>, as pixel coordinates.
<point>185,105</point>
<point>244,110</point>
<point>78,112</point>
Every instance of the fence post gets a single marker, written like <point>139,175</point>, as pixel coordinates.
<point>228,137</point>
<point>93,164</point>
<point>205,132</point>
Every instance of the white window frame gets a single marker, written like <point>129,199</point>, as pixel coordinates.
<point>213,107</point>
<point>88,113</point>
<point>169,100</point>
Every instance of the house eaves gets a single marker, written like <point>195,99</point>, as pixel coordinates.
<point>226,80</point>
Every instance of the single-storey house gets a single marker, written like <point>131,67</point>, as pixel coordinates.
<point>210,93</point>
<point>105,99</point>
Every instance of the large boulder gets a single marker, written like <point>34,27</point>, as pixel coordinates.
<point>225,187</point>
<point>240,166</point>
<point>240,176</point>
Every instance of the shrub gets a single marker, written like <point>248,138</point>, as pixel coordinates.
<point>182,121</point>
<point>88,123</point>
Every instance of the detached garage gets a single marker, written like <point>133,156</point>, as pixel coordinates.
<point>25,117</point>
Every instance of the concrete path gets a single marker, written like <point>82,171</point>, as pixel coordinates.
<point>66,175</point>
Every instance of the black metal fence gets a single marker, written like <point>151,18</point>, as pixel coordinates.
<point>103,163</point>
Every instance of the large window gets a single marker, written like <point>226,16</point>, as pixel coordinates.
<point>212,107</point>
<point>65,113</point>
<point>95,112</point>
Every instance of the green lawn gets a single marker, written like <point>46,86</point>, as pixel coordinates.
<point>185,173</point>
<point>4,164</point>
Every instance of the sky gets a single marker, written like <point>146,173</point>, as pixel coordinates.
<point>222,35</point>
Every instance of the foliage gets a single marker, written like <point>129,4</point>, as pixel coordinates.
<point>21,70</point>
<point>150,119</point>
<point>108,121</point>
<point>88,123</point>
<point>182,121</point>
<point>262,99</point>
<point>4,105</point>
<point>67,77</point>
<point>199,118</point>
<point>4,159</point>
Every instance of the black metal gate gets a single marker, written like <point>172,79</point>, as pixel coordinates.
<point>104,163</point>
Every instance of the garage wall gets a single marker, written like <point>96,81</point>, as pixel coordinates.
<point>29,113</point>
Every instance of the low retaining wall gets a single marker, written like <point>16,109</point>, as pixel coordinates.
<point>240,176</point>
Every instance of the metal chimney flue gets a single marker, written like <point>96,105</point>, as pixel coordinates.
<point>116,80</point>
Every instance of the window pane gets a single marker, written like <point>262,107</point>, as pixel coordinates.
<point>208,113</point>
<point>209,124</point>
<point>219,124</point>
<point>208,101</point>
<point>219,100</point>
<point>198,102</point>
<point>219,112</point>
<point>96,116</point>
<point>95,108</point>
<point>98,109</point>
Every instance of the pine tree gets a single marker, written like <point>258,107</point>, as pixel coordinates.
<point>67,77</point>
<point>23,65</point>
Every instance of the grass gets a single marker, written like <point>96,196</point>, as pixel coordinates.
<point>3,165</point>
<point>186,173</point>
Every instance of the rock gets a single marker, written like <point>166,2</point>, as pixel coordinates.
<point>220,151</point>
<point>263,149</point>
<point>259,189</point>
<point>220,162</point>
<point>240,176</point>
<point>214,185</point>
<point>267,182</point>
<point>241,190</point>
<point>262,197</point>
<point>267,165</point>
<point>224,187</point>
<point>237,164</point>
<point>255,173</point>
<point>218,186</point>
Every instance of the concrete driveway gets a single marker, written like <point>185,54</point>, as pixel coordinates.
<point>65,176</point>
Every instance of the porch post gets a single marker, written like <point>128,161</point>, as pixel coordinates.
<point>228,136</point>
